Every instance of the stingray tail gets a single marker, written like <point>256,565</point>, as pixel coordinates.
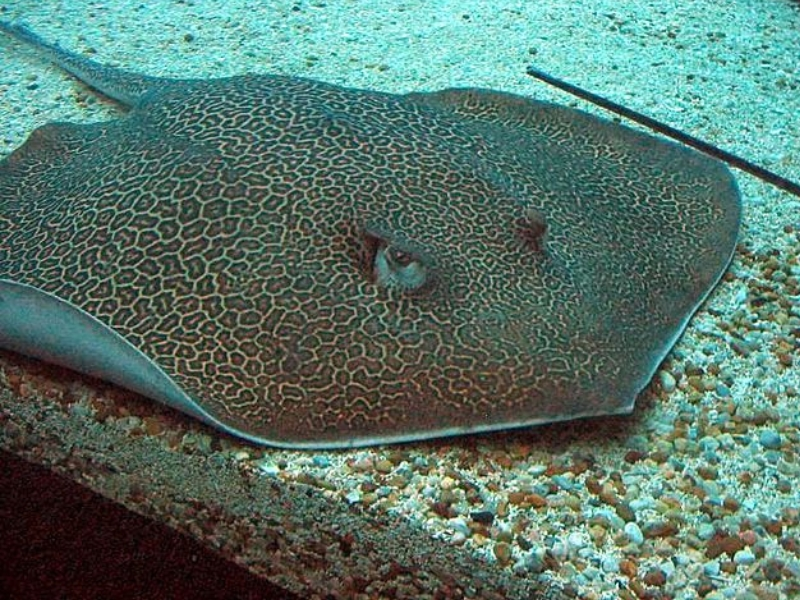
<point>123,86</point>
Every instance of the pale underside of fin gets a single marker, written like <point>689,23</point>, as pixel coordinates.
<point>38,324</point>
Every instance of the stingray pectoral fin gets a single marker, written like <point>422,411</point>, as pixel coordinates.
<point>38,324</point>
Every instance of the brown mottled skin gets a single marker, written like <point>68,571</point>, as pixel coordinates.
<point>538,262</point>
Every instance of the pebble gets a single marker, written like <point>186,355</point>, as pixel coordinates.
<point>460,525</point>
<point>667,568</point>
<point>625,512</point>
<point>502,552</point>
<point>559,551</point>
<point>267,467</point>
<point>610,564</point>
<point>320,460</point>
<point>655,577</point>
<point>536,470</point>
<point>536,500</point>
<point>705,531</point>
<point>711,568</point>
<point>723,543</point>
<point>709,444</point>
<point>641,504</point>
<point>353,496</point>
<point>503,534</point>
<point>711,488</point>
<point>362,464</point>
<point>484,517</point>
<point>722,390</point>
<point>772,570</point>
<point>681,445</point>
<point>458,538</point>
<point>447,483</point>
<point>744,557</point>
<point>668,382</point>
<point>385,466</point>
<point>241,455</point>
<point>533,561</point>
<point>790,469</point>
<point>727,441</point>
<point>681,560</point>
<point>563,482</point>
<point>576,541</point>
<point>770,439</point>
<point>748,537</point>
<point>598,534</point>
<point>634,533</point>
<point>421,463</point>
<point>660,529</point>
<point>628,568</point>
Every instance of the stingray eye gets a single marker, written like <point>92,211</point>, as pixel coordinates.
<point>399,258</point>
<point>396,267</point>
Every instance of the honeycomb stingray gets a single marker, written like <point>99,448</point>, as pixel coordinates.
<point>306,265</point>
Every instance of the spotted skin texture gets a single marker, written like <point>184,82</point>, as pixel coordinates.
<point>228,229</point>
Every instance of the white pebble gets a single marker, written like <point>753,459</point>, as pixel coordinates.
<point>536,470</point>
<point>705,531</point>
<point>268,468</point>
<point>532,562</point>
<point>711,568</point>
<point>459,525</point>
<point>667,568</point>
<point>559,551</point>
<point>447,483</point>
<point>682,560</point>
<point>634,533</point>
<point>576,541</point>
<point>741,296</point>
<point>353,497</point>
<point>639,504</point>
<point>709,444</point>
<point>667,381</point>
<point>610,564</point>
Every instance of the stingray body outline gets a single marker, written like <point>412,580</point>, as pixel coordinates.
<point>420,265</point>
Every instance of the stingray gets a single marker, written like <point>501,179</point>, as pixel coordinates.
<point>313,266</point>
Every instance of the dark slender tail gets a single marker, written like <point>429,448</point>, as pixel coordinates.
<point>676,134</point>
<point>126,87</point>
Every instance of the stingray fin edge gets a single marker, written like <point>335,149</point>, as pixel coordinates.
<point>43,326</point>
